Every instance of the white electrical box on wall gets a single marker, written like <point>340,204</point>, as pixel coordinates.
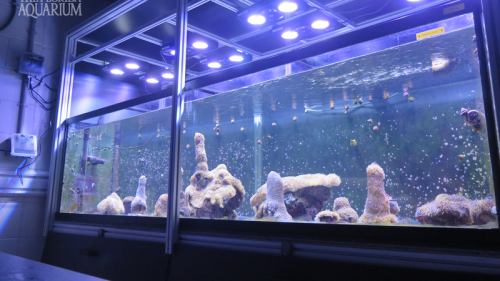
<point>23,145</point>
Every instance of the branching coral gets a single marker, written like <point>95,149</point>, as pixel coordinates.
<point>304,195</point>
<point>215,193</point>
<point>139,205</point>
<point>377,206</point>
<point>342,207</point>
<point>111,205</point>
<point>274,206</point>
<point>455,210</point>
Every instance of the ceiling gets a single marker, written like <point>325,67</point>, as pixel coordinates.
<point>223,25</point>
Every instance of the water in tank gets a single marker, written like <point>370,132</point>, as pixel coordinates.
<point>390,131</point>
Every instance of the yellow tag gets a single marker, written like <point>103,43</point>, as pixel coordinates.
<point>430,33</point>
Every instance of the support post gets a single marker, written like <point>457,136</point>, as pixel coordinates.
<point>175,133</point>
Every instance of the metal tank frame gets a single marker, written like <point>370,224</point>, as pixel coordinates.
<point>449,249</point>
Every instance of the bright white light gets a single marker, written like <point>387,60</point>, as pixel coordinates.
<point>289,35</point>
<point>172,52</point>
<point>236,58</point>
<point>413,0</point>
<point>256,19</point>
<point>152,80</point>
<point>200,45</point>
<point>287,6</point>
<point>167,75</point>
<point>132,66</point>
<point>320,24</point>
<point>116,71</point>
<point>214,65</point>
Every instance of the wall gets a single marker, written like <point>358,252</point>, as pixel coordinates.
<point>22,206</point>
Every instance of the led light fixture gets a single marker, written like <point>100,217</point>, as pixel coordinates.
<point>172,52</point>
<point>236,58</point>
<point>256,19</point>
<point>132,66</point>
<point>152,80</point>
<point>116,71</point>
<point>289,34</point>
<point>287,6</point>
<point>413,0</point>
<point>167,75</point>
<point>320,24</point>
<point>214,65</point>
<point>200,45</point>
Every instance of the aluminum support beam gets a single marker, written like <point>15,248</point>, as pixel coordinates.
<point>330,12</point>
<point>124,53</point>
<point>64,101</point>
<point>226,4</point>
<point>176,127</point>
<point>150,39</point>
<point>139,30</point>
<point>221,40</point>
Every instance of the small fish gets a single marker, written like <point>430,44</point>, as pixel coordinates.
<point>475,51</point>
<point>139,136</point>
<point>274,124</point>
<point>346,107</point>
<point>307,110</point>
<point>188,146</point>
<point>242,129</point>
<point>294,118</point>
<point>411,99</point>
<point>269,137</point>
<point>232,120</point>
<point>360,101</point>
<point>386,94</point>
<point>73,207</point>
<point>474,38</point>
<point>139,150</point>
<point>355,101</point>
<point>375,128</point>
<point>259,142</point>
<point>370,121</point>
<point>332,104</point>
<point>158,136</point>
<point>370,98</point>
<point>461,157</point>
<point>405,94</point>
<point>184,131</point>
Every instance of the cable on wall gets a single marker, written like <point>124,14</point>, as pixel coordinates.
<point>11,16</point>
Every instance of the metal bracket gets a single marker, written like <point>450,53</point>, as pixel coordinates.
<point>101,232</point>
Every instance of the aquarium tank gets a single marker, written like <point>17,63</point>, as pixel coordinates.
<point>387,132</point>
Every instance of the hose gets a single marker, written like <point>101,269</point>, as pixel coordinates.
<point>11,16</point>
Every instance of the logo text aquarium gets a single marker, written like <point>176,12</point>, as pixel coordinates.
<point>50,8</point>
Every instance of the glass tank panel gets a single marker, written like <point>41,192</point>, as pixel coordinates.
<point>390,131</point>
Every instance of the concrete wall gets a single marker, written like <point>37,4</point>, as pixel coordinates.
<point>22,206</point>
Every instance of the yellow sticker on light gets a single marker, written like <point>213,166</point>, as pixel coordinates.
<point>430,33</point>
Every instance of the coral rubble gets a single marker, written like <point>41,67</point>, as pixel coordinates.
<point>161,206</point>
<point>139,205</point>
<point>377,206</point>
<point>127,203</point>
<point>455,210</point>
<point>274,206</point>
<point>342,207</point>
<point>327,217</point>
<point>304,195</point>
<point>111,205</point>
<point>212,194</point>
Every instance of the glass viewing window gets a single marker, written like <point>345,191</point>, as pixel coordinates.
<point>390,131</point>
